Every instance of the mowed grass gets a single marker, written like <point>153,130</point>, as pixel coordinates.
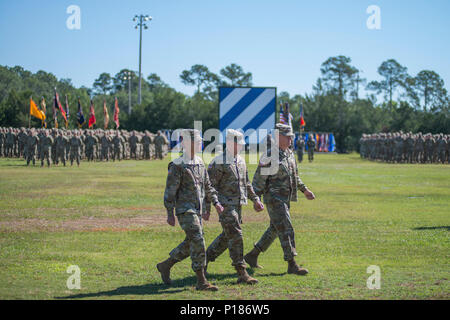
<point>108,219</point>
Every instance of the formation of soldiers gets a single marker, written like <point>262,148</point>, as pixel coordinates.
<point>399,147</point>
<point>301,148</point>
<point>191,188</point>
<point>54,146</point>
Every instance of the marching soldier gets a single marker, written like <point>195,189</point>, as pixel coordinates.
<point>279,188</point>
<point>229,176</point>
<point>186,188</point>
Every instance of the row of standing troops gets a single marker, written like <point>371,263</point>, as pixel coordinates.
<point>59,145</point>
<point>399,147</point>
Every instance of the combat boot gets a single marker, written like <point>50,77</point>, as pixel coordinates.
<point>164,268</point>
<point>202,283</point>
<point>243,276</point>
<point>294,268</point>
<point>252,258</point>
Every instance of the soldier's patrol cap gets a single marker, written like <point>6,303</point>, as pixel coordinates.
<point>234,134</point>
<point>193,134</point>
<point>284,129</point>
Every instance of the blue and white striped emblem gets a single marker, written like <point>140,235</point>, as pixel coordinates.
<point>247,108</point>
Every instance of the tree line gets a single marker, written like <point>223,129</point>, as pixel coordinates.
<point>398,101</point>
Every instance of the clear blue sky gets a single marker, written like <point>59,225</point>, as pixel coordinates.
<point>283,43</point>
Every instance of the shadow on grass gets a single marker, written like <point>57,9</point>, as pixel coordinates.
<point>177,285</point>
<point>433,228</point>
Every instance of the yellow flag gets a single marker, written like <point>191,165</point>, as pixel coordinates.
<point>35,112</point>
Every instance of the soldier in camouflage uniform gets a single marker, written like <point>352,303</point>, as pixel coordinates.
<point>229,176</point>
<point>9,143</point>
<point>32,141</point>
<point>61,145</point>
<point>278,180</point>
<point>160,141</point>
<point>133,141</point>
<point>46,144</point>
<point>117,143</point>
<point>300,147</point>
<point>104,141</point>
<point>75,145</point>
<point>21,139</point>
<point>146,142</point>
<point>186,187</point>
<point>311,145</point>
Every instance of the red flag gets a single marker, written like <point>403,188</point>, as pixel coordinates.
<point>116,112</point>
<point>92,115</point>
<point>105,115</point>
<point>302,120</point>
<point>59,106</point>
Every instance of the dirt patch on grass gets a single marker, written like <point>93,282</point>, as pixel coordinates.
<point>82,224</point>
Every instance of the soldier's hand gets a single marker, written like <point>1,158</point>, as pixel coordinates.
<point>206,215</point>
<point>219,208</point>
<point>309,195</point>
<point>258,206</point>
<point>171,219</point>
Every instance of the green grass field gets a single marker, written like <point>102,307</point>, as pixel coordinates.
<point>109,219</point>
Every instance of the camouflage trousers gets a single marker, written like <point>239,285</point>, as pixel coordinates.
<point>146,151</point>
<point>310,155</point>
<point>45,155</point>
<point>194,243</point>
<point>230,238</point>
<point>117,153</point>
<point>60,155</point>
<point>300,156</point>
<point>74,155</point>
<point>159,152</point>
<point>31,155</point>
<point>133,152</point>
<point>90,153</point>
<point>281,226</point>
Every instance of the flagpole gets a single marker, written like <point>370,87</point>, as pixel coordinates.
<point>29,114</point>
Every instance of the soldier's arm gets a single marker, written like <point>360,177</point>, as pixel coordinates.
<point>215,174</point>
<point>250,192</point>
<point>259,181</point>
<point>210,192</point>
<point>172,184</point>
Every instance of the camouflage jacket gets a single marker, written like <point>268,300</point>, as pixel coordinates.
<point>61,142</point>
<point>188,186</point>
<point>282,184</point>
<point>160,141</point>
<point>46,142</point>
<point>75,144</point>
<point>229,176</point>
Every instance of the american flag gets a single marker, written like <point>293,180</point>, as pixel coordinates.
<point>285,116</point>
<point>80,116</point>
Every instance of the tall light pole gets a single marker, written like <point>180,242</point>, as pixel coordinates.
<point>128,77</point>
<point>141,19</point>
